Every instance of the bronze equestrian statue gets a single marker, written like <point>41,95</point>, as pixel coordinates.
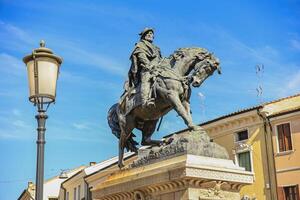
<point>157,85</point>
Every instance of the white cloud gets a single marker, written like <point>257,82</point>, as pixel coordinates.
<point>120,12</point>
<point>80,139</point>
<point>277,83</point>
<point>21,131</point>
<point>80,126</point>
<point>82,80</point>
<point>265,54</point>
<point>201,95</point>
<point>290,85</point>
<point>13,37</point>
<point>11,65</point>
<point>20,124</point>
<point>5,135</point>
<point>15,31</point>
<point>294,82</point>
<point>88,57</point>
<point>6,94</point>
<point>16,112</point>
<point>295,44</point>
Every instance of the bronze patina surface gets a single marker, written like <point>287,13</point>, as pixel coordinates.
<point>155,86</point>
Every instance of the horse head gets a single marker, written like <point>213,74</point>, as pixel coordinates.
<point>183,60</point>
<point>206,64</point>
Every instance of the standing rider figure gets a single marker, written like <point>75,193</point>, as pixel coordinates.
<point>144,58</point>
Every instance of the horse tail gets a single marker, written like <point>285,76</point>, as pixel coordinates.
<point>113,122</point>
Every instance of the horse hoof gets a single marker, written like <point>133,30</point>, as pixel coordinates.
<point>152,143</point>
<point>121,165</point>
<point>168,141</point>
<point>197,128</point>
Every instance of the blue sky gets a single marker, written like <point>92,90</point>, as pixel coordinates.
<point>95,39</point>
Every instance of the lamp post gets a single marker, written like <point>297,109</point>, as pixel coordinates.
<point>42,69</point>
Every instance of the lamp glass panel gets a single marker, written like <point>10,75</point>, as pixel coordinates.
<point>30,72</point>
<point>47,73</point>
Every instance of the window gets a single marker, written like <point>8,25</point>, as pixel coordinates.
<point>284,137</point>
<point>241,135</point>
<point>244,160</point>
<point>89,194</point>
<point>291,192</point>
<point>78,192</point>
<point>75,194</point>
<point>67,196</point>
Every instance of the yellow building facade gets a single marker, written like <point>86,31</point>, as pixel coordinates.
<point>264,139</point>
<point>243,135</point>
<point>284,120</point>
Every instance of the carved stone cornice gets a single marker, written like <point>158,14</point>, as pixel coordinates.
<point>210,176</point>
<point>232,124</point>
<point>242,146</point>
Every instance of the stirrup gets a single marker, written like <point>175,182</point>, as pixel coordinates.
<point>148,103</point>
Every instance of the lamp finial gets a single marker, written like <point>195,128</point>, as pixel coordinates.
<point>42,43</point>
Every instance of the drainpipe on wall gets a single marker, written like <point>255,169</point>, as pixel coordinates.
<point>87,190</point>
<point>269,153</point>
<point>65,191</point>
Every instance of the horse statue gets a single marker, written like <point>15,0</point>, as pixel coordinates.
<point>171,87</point>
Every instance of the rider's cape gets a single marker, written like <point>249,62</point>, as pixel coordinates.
<point>150,50</point>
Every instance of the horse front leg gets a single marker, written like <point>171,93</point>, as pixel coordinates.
<point>181,110</point>
<point>187,108</point>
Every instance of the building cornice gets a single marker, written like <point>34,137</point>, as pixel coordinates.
<point>286,114</point>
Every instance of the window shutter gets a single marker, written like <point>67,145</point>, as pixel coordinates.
<point>244,160</point>
<point>288,137</point>
<point>280,138</point>
<point>297,192</point>
<point>280,193</point>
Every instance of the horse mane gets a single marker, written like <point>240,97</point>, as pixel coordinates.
<point>184,50</point>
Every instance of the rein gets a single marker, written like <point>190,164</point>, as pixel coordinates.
<point>182,79</point>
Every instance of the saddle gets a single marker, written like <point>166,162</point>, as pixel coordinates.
<point>130,99</point>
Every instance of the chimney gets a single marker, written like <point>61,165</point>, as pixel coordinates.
<point>92,163</point>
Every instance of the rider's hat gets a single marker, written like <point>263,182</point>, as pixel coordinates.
<point>146,30</point>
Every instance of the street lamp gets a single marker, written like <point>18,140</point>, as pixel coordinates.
<point>42,69</point>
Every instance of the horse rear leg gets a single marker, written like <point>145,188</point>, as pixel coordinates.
<point>122,141</point>
<point>148,130</point>
<point>126,126</point>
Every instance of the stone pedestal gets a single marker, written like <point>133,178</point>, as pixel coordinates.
<point>183,177</point>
